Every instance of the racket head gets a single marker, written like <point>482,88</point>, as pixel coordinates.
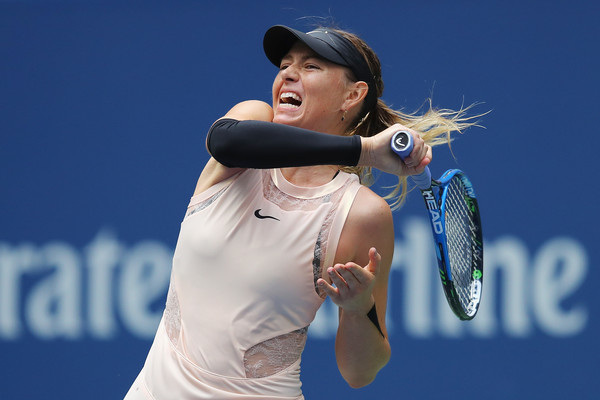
<point>460,245</point>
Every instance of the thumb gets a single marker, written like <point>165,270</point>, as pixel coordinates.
<point>374,261</point>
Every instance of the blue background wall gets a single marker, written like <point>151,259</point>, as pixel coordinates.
<point>103,112</point>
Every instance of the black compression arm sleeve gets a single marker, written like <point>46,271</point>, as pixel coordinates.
<point>258,144</point>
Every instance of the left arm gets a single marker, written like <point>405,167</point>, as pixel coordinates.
<point>368,240</point>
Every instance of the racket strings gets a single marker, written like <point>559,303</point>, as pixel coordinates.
<point>460,228</point>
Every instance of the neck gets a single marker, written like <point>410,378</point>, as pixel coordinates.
<point>310,176</point>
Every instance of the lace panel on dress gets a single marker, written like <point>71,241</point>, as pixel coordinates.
<point>172,316</point>
<point>274,355</point>
<point>192,209</point>
<point>287,202</point>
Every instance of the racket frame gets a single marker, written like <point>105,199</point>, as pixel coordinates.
<point>436,204</point>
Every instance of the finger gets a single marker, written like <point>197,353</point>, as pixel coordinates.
<point>327,288</point>
<point>356,272</point>
<point>352,275</point>
<point>336,278</point>
<point>421,163</point>
<point>416,155</point>
<point>426,160</point>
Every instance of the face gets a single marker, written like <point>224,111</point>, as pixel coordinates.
<point>310,92</point>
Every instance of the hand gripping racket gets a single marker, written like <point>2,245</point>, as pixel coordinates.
<point>456,224</point>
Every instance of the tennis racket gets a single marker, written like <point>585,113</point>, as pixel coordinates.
<point>456,224</point>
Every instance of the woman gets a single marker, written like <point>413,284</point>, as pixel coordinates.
<point>279,221</point>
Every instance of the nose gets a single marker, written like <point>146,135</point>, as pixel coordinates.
<point>290,73</point>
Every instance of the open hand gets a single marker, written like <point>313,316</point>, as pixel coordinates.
<point>351,285</point>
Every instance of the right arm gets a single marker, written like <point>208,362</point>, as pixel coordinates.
<point>215,172</point>
<point>236,143</point>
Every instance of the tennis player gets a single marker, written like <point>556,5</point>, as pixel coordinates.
<point>281,219</point>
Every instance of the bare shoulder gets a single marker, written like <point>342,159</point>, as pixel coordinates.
<point>370,208</point>
<point>255,110</point>
<point>213,171</point>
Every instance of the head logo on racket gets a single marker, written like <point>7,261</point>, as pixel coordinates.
<point>401,142</point>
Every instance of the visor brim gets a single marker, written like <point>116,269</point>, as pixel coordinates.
<point>279,39</point>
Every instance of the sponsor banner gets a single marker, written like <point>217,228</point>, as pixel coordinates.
<point>107,289</point>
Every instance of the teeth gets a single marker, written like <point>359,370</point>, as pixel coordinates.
<point>295,99</point>
<point>292,95</point>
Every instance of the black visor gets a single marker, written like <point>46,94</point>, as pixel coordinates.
<point>330,45</point>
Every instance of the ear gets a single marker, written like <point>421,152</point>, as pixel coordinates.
<point>356,93</point>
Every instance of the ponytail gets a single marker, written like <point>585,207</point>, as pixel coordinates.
<point>436,126</point>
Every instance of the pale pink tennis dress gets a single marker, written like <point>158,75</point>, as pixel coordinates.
<point>243,290</point>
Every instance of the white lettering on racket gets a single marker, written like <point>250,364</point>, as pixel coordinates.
<point>475,297</point>
<point>433,211</point>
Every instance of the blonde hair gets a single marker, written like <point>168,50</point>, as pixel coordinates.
<point>436,126</point>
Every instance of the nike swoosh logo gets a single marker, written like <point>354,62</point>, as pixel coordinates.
<point>259,216</point>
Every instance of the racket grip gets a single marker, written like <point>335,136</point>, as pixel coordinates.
<point>402,144</point>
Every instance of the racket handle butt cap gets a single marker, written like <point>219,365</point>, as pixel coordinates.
<point>402,144</point>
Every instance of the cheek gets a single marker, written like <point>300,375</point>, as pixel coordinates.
<point>331,94</point>
<point>275,90</point>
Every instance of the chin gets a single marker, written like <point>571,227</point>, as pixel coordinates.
<point>286,119</point>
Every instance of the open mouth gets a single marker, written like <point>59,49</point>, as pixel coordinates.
<point>289,99</point>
